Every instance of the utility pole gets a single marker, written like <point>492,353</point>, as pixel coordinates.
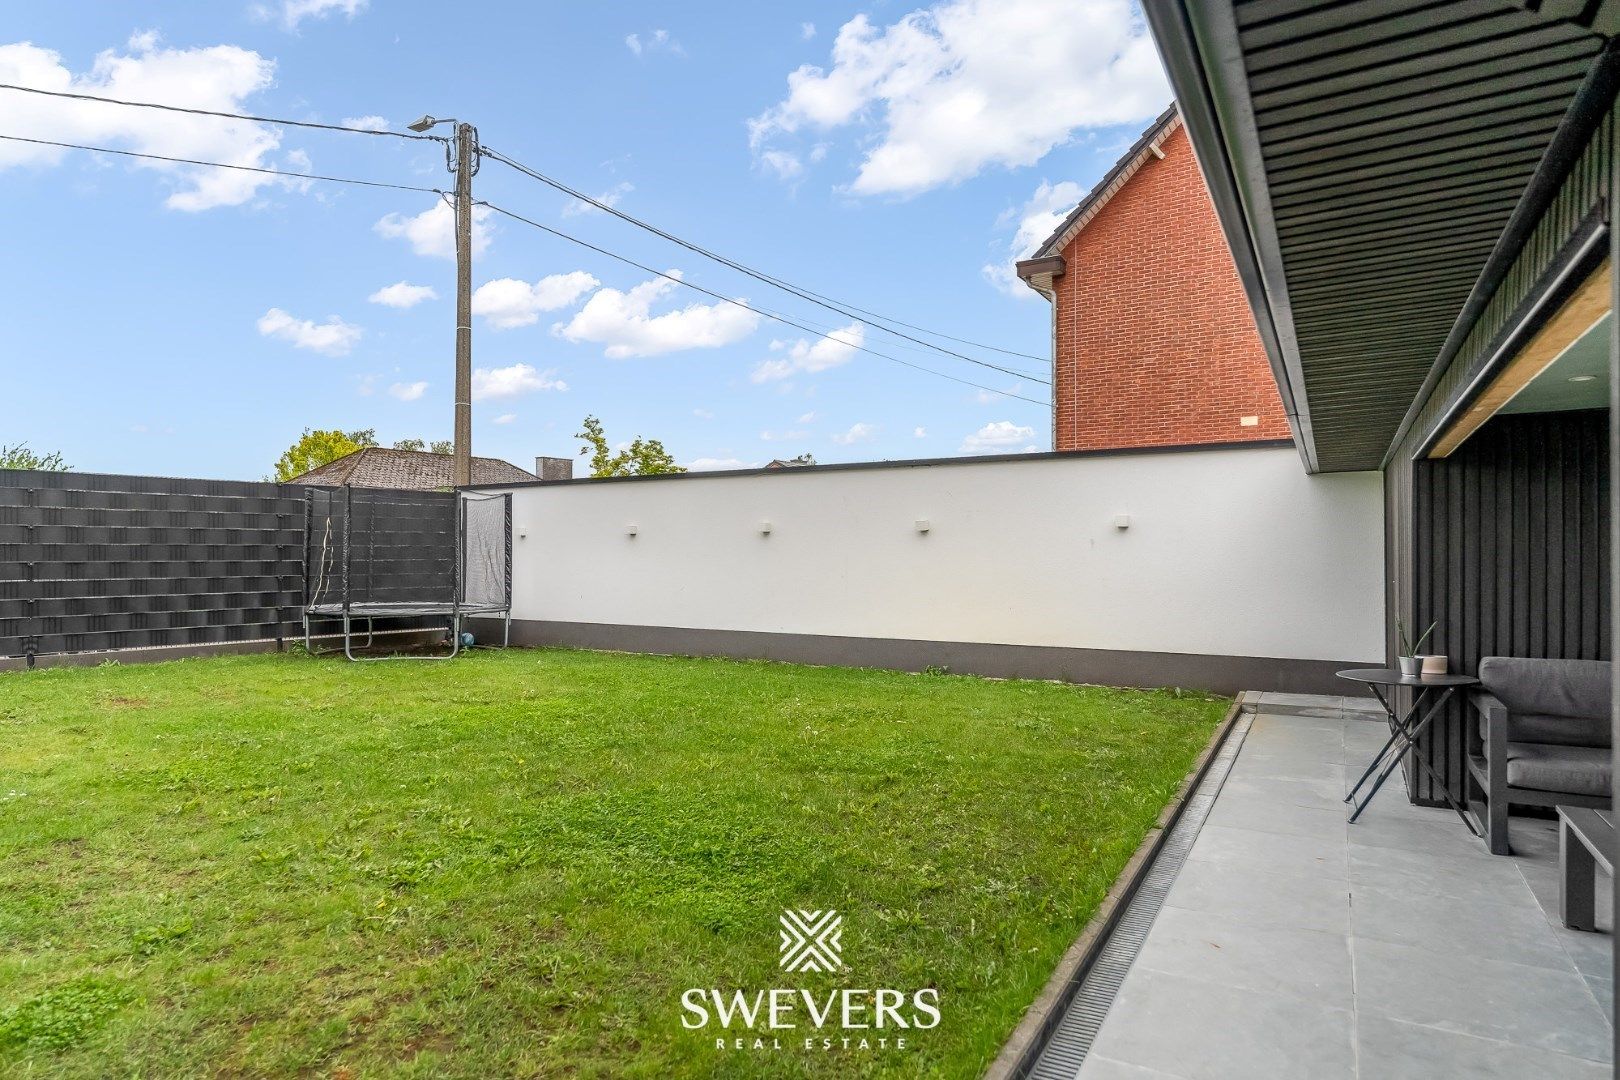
<point>466,165</point>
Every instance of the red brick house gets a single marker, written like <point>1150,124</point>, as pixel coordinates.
<point>1153,340</point>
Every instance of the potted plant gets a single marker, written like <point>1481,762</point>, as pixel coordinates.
<point>1410,660</point>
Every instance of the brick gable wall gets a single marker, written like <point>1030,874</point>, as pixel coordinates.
<point>1156,345</point>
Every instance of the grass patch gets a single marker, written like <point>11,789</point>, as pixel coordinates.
<point>515,863</point>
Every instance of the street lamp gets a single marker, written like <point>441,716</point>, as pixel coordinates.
<point>428,121</point>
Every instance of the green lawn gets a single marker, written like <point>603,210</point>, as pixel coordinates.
<point>515,863</point>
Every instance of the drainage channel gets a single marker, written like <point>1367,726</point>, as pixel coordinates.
<point>1065,1049</point>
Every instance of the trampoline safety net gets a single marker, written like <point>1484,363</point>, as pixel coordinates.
<point>391,554</point>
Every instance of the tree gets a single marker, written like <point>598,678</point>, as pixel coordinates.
<point>643,457</point>
<point>317,447</point>
<point>20,457</point>
<point>437,446</point>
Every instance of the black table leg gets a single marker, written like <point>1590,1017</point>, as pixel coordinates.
<point>1408,738</point>
<point>1397,727</point>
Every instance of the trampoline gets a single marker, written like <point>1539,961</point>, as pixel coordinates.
<point>424,556</point>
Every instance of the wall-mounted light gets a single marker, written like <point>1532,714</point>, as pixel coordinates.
<point>1582,378</point>
<point>923,525</point>
<point>1122,521</point>
<point>629,530</point>
<point>765,528</point>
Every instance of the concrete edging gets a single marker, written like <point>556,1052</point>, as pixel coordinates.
<point>1048,1006</point>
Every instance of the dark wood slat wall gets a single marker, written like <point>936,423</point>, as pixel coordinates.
<point>1509,555</point>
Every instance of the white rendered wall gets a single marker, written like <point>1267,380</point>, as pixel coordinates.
<point>1229,552</point>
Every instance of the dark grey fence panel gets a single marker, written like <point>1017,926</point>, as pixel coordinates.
<point>91,561</point>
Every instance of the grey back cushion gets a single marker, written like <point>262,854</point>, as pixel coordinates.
<point>1566,702</point>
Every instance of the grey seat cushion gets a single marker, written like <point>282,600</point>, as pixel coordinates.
<point>1573,770</point>
<point>1563,702</point>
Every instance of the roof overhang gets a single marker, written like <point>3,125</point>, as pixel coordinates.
<point>1370,162</point>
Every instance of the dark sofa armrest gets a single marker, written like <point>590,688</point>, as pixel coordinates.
<point>1490,726</point>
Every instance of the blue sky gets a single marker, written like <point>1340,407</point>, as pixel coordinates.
<point>894,156</point>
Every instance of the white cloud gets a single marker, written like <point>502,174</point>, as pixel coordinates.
<point>408,391</point>
<point>508,302</point>
<point>371,122</point>
<point>857,433</point>
<point>1000,437</point>
<point>623,321</point>
<point>334,337</point>
<point>784,163</point>
<point>991,397</point>
<point>293,12</point>
<point>965,84</point>
<point>807,30</point>
<point>504,418</point>
<point>218,77</point>
<point>807,418</point>
<point>610,197</point>
<point>802,356</point>
<point>919,433</point>
<point>433,231</point>
<point>711,464</point>
<point>402,294</point>
<point>657,41</point>
<point>1037,219</point>
<point>512,381</point>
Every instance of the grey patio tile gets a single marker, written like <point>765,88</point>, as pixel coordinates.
<point>1470,995</point>
<point>1308,964</point>
<point>1252,764</point>
<point>1295,901</point>
<point>1283,723</point>
<point>1326,711</point>
<point>1097,1067</point>
<point>1416,829</point>
<point>1273,697</point>
<point>1357,706</point>
<point>1476,925</point>
<point>1394,1050</point>
<point>1409,872</point>
<point>1244,850</point>
<point>1269,815</point>
<point>1202,1031</point>
<point>1603,992</point>
<point>1365,739</point>
<point>1325,792</point>
<point>1591,953</point>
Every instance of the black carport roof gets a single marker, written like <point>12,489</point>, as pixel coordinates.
<point>1367,158</point>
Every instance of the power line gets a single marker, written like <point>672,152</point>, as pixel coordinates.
<point>222,165</point>
<point>225,115</point>
<point>746,307</point>
<point>849,311</point>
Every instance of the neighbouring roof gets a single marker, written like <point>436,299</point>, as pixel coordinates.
<point>1116,178</point>
<point>415,470</point>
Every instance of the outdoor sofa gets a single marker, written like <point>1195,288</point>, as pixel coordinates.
<point>1540,735</point>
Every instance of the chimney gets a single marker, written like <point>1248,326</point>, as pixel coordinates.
<point>554,468</point>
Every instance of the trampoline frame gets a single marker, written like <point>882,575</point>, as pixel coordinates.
<point>351,613</point>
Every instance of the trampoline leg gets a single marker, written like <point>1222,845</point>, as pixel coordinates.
<point>455,637</point>
<point>348,641</point>
<point>506,635</point>
<point>307,648</point>
<point>371,631</point>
